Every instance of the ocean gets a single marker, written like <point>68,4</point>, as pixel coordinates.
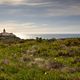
<point>50,36</point>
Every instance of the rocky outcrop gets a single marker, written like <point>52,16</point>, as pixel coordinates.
<point>8,37</point>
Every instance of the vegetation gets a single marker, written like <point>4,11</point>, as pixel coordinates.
<point>40,59</point>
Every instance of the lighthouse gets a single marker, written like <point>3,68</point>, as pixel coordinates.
<point>4,31</point>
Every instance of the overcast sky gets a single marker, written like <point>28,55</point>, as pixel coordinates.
<point>40,16</point>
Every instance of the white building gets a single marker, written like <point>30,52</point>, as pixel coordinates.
<point>4,33</point>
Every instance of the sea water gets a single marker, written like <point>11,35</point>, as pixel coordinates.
<point>50,36</point>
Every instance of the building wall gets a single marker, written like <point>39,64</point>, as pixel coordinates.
<point>7,34</point>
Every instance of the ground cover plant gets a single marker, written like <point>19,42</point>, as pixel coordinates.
<point>40,59</point>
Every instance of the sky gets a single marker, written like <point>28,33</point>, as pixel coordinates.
<point>40,16</point>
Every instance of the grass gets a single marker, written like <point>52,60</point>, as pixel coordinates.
<point>40,59</point>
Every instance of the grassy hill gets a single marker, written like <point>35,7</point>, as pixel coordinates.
<point>40,59</point>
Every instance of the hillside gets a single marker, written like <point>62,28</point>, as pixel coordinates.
<point>40,59</point>
<point>6,37</point>
<point>9,39</point>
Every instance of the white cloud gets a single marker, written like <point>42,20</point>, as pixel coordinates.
<point>11,1</point>
<point>30,27</point>
<point>13,26</point>
<point>67,11</point>
<point>26,2</point>
<point>49,8</point>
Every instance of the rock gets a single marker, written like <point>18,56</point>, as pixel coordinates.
<point>70,69</point>
<point>34,47</point>
<point>54,65</point>
<point>65,69</point>
<point>1,68</point>
<point>5,61</point>
<point>26,59</point>
<point>71,53</point>
<point>76,60</point>
<point>78,69</point>
<point>38,61</point>
<point>63,47</point>
<point>76,79</point>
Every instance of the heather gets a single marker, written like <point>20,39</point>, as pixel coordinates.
<point>40,59</point>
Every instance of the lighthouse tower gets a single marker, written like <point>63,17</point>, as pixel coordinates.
<point>4,31</point>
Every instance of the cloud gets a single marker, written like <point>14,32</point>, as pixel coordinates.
<point>11,1</point>
<point>31,27</point>
<point>25,2</point>
<point>14,25</point>
<point>68,11</point>
<point>28,27</point>
<point>66,2</point>
<point>42,8</point>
